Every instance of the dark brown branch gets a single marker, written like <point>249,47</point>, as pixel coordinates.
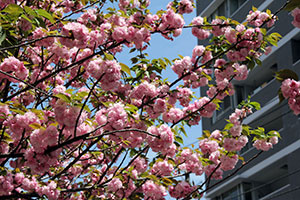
<point>65,68</point>
<point>28,84</point>
<point>85,102</point>
<point>31,41</point>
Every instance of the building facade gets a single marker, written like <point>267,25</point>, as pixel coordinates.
<point>274,174</point>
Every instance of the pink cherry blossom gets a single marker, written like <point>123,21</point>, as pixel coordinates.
<point>296,15</point>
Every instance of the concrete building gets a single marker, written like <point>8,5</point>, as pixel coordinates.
<point>274,174</point>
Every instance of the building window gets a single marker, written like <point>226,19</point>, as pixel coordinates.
<point>227,8</point>
<point>295,50</point>
<point>233,6</point>
<point>222,9</point>
<point>224,106</point>
<point>233,194</point>
<point>236,193</point>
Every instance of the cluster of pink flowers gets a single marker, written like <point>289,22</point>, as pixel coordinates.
<point>153,191</point>
<point>116,116</point>
<point>173,115</point>
<point>19,124</point>
<point>235,144</point>
<point>236,119</point>
<point>5,3</point>
<point>79,32</point>
<point>114,185</point>
<point>266,143</point>
<point>197,31</point>
<point>262,145</point>
<point>257,18</point>
<point>182,189</point>
<point>14,67</point>
<point>163,168</point>
<point>171,21</point>
<point>185,6</point>
<point>228,163</point>
<point>210,170</point>
<point>89,15</point>
<point>134,4</point>
<point>41,139</point>
<point>144,90</point>
<point>190,162</point>
<point>296,15</point>
<point>208,146</point>
<point>19,182</point>
<point>67,115</point>
<point>182,66</point>
<point>291,91</point>
<point>165,138</point>
<point>40,33</point>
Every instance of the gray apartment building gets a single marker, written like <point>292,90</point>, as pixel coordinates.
<point>274,174</point>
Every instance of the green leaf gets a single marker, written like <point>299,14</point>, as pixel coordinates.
<point>18,111</point>
<point>258,62</point>
<point>133,152</point>
<point>183,131</point>
<point>7,137</point>
<point>108,56</point>
<point>245,130</point>
<point>45,14</point>
<point>179,139</point>
<point>241,158</point>
<point>26,18</point>
<point>35,126</point>
<point>125,68</point>
<point>131,108</point>
<point>30,11</point>
<point>134,60</point>
<point>13,10</point>
<point>256,105</point>
<point>180,56</point>
<point>107,104</point>
<point>132,50</point>
<point>3,171</point>
<point>228,126</point>
<point>86,108</point>
<point>64,97</point>
<point>82,94</point>
<point>167,181</point>
<point>251,65</point>
<point>292,5</point>
<point>285,74</point>
<point>206,133</point>
<point>2,35</point>
<point>280,96</point>
<point>168,61</point>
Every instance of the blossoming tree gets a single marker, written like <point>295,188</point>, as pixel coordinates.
<point>77,124</point>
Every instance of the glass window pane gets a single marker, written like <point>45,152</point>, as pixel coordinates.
<point>233,6</point>
<point>221,10</point>
<point>296,50</point>
<point>241,2</point>
<point>232,194</point>
<point>247,187</point>
<point>216,13</point>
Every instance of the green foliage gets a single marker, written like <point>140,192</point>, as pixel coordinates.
<point>292,5</point>
<point>273,38</point>
<point>285,74</point>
